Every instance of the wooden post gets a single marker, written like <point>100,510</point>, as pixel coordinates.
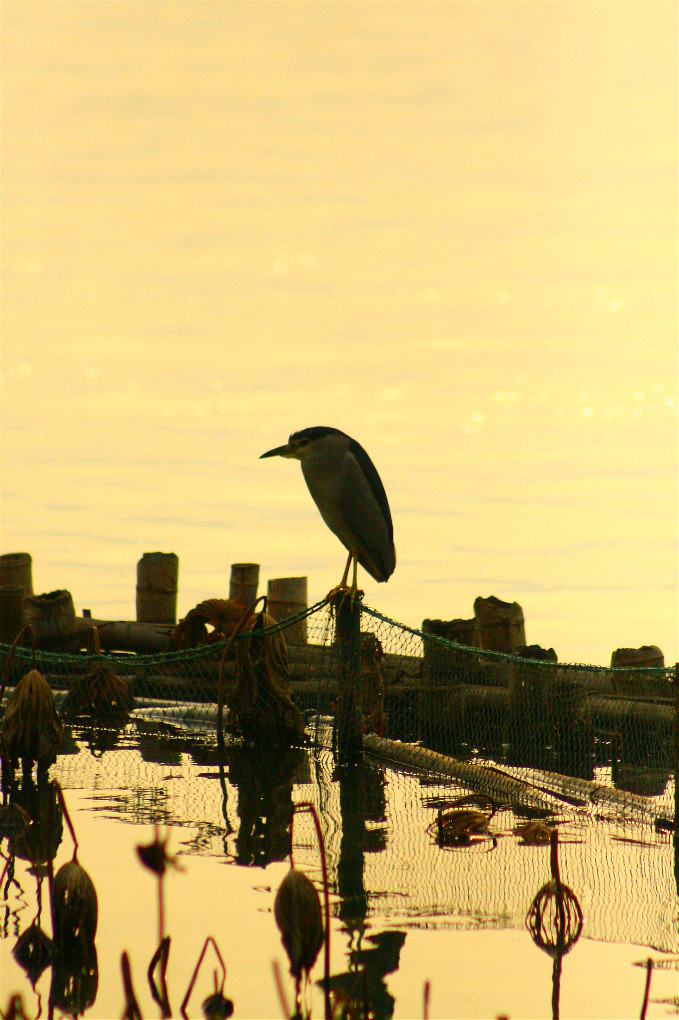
<point>501,624</point>
<point>442,661</point>
<point>244,582</point>
<point>440,704</point>
<point>530,686</point>
<point>633,681</point>
<point>285,597</point>
<point>157,575</point>
<point>17,569</point>
<point>348,729</point>
<point>11,612</point>
<point>52,617</point>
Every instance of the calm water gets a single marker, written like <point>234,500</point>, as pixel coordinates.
<point>403,907</point>
<point>449,229</point>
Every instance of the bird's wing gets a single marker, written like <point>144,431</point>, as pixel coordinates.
<point>367,514</point>
<point>374,481</point>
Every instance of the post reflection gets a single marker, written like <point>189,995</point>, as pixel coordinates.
<point>361,988</point>
<point>264,781</point>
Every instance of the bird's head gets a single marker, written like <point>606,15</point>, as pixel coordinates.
<point>301,443</point>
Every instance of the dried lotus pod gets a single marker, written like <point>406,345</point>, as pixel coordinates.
<point>297,910</point>
<point>14,821</point>
<point>217,1007</point>
<point>74,906</point>
<point>31,729</point>
<point>33,951</point>
<point>155,856</point>
<point>555,917</point>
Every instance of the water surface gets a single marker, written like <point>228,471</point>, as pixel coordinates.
<point>449,229</point>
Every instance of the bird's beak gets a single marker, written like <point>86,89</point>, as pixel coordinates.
<point>280,451</point>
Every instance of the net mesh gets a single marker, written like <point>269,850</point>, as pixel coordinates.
<point>527,731</point>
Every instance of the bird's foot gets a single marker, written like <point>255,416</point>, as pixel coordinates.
<point>345,591</point>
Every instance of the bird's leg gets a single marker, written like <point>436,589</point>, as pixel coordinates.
<point>343,586</point>
<point>345,576</point>
<point>354,590</point>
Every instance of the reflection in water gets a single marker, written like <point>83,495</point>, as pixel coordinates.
<point>353,905</point>
<point>75,979</point>
<point>155,744</point>
<point>361,799</point>
<point>33,951</point>
<point>362,988</point>
<point>41,840</point>
<point>71,952</point>
<point>383,865</point>
<point>264,782</point>
<point>555,921</point>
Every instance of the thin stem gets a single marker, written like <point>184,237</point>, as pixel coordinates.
<point>280,989</point>
<point>308,806</point>
<point>647,990</point>
<point>62,801</point>
<point>192,982</point>
<point>161,918</point>
<point>132,1011</point>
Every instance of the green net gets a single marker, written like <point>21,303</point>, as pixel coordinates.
<point>531,732</point>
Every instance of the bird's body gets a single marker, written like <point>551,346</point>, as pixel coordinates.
<point>348,491</point>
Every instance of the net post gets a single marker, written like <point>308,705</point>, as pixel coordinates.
<point>348,718</point>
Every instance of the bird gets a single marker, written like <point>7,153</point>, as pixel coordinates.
<point>346,488</point>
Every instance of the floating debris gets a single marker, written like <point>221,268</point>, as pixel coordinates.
<point>535,833</point>
<point>458,826</point>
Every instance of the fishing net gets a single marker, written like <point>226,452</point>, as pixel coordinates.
<point>529,731</point>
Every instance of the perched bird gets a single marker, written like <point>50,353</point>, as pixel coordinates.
<point>348,491</point>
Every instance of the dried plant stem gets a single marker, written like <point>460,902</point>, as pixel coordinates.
<point>280,989</point>
<point>132,1011</point>
<point>308,806</point>
<point>161,911</point>
<point>62,801</point>
<point>192,982</point>
<point>220,685</point>
<point>160,995</point>
<point>647,990</point>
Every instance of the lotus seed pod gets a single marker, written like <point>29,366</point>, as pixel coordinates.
<point>297,910</point>
<point>74,900</point>
<point>31,728</point>
<point>217,1007</point>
